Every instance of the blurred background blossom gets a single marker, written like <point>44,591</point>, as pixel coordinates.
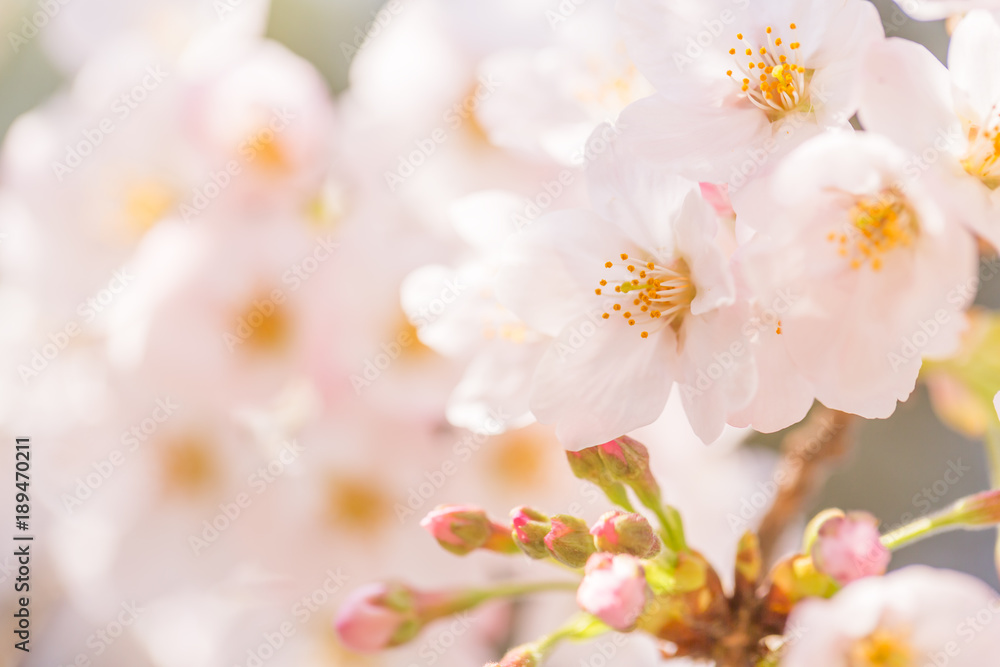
<point>241,245</point>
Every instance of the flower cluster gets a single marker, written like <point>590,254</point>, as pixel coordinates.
<point>742,240</point>
<point>632,577</point>
<point>278,305</point>
<point>781,205</point>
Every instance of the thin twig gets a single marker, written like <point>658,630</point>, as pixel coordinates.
<point>809,453</point>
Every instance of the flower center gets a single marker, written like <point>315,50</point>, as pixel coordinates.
<point>983,158</point>
<point>265,326</point>
<point>878,224</point>
<point>881,649</point>
<point>188,465</point>
<point>519,459</point>
<point>649,294</point>
<point>358,504</point>
<point>771,76</point>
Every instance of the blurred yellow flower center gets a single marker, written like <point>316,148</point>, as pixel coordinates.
<point>145,204</point>
<point>513,332</point>
<point>878,224</point>
<point>518,458</point>
<point>770,76</point>
<point>983,157</point>
<point>655,297</point>
<point>882,649</point>
<point>615,83</point>
<point>357,504</point>
<point>268,324</point>
<point>188,465</point>
<point>409,342</point>
<point>270,154</point>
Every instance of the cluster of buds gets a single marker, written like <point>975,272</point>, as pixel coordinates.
<point>570,541</point>
<point>462,529</point>
<point>632,576</point>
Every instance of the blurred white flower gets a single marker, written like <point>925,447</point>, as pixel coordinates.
<point>934,10</point>
<point>552,98</point>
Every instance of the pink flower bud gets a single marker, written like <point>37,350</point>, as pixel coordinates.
<point>462,529</point>
<point>625,458</point>
<point>848,548</point>
<point>530,529</point>
<point>569,541</point>
<point>614,590</point>
<point>519,656</point>
<point>627,461</point>
<point>981,510</point>
<point>623,533</point>
<point>375,617</point>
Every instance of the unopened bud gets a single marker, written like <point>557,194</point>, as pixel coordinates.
<point>625,458</point>
<point>624,533</point>
<point>614,590</point>
<point>462,529</point>
<point>569,541</point>
<point>979,511</point>
<point>519,656</point>
<point>383,615</point>
<point>627,461</point>
<point>529,531</point>
<point>849,548</point>
<point>587,464</point>
<point>378,616</point>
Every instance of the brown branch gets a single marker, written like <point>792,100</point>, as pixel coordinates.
<point>809,454</point>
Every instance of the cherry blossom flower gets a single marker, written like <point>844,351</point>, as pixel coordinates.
<point>553,97</point>
<point>905,618</point>
<point>636,295</point>
<point>946,117</point>
<point>859,241</point>
<point>740,83</point>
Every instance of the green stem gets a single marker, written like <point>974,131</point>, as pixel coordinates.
<point>910,533</point>
<point>581,626</point>
<point>617,494</point>
<point>526,588</point>
<point>453,604</point>
<point>672,528</point>
<point>925,527</point>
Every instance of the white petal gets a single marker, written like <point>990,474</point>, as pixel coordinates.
<point>783,396</point>
<point>716,374</point>
<point>641,200</point>
<point>906,95</point>
<point>453,327</point>
<point>695,228</point>
<point>701,143</point>
<point>599,380</point>
<point>550,270</point>
<point>494,389</point>
<point>974,60</point>
<point>485,220</point>
<point>935,10</point>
